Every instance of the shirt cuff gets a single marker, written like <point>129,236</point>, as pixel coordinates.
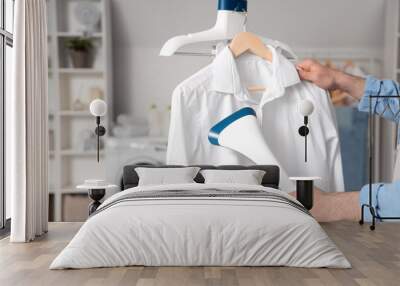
<point>364,199</point>
<point>372,87</point>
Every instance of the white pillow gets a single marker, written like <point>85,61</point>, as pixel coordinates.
<point>247,177</point>
<point>166,176</point>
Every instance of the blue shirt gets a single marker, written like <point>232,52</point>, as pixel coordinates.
<point>385,197</point>
<point>388,108</point>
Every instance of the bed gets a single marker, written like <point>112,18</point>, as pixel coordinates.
<point>198,224</point>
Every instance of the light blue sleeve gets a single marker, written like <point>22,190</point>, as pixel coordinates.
<point>388,108</point>
<point>385,199</point>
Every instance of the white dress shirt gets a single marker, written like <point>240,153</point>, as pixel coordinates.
<point>220,89</point>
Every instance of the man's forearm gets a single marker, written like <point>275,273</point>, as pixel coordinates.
<point>353,85</point>
<point>329,207</point>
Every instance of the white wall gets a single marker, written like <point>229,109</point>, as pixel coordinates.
<point>141,27</point>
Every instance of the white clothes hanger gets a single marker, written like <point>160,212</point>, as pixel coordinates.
<point>231,20</point>
<point>249,42</point>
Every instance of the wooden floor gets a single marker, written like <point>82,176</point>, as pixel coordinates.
<point>375,257</point>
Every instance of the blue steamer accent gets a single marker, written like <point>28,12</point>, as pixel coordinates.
<point>220,126</point>
<point>233,5</point>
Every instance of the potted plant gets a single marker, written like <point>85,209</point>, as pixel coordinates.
<point>80,51</point>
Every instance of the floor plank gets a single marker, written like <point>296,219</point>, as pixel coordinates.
<point>375,257</point>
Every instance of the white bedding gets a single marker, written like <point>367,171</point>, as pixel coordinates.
<point>200,231</point>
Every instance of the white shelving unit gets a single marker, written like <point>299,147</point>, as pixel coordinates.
<point>70,163</point>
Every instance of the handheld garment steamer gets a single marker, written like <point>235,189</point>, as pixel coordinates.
<point>241,132</point>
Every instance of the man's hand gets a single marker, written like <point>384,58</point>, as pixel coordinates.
<point>318,74</point>
<point>331,79</point>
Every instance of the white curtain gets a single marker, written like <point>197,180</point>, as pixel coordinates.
<point>27,146</point>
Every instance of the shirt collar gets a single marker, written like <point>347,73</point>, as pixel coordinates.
<point>282,48</point>
<point>226,77</point>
